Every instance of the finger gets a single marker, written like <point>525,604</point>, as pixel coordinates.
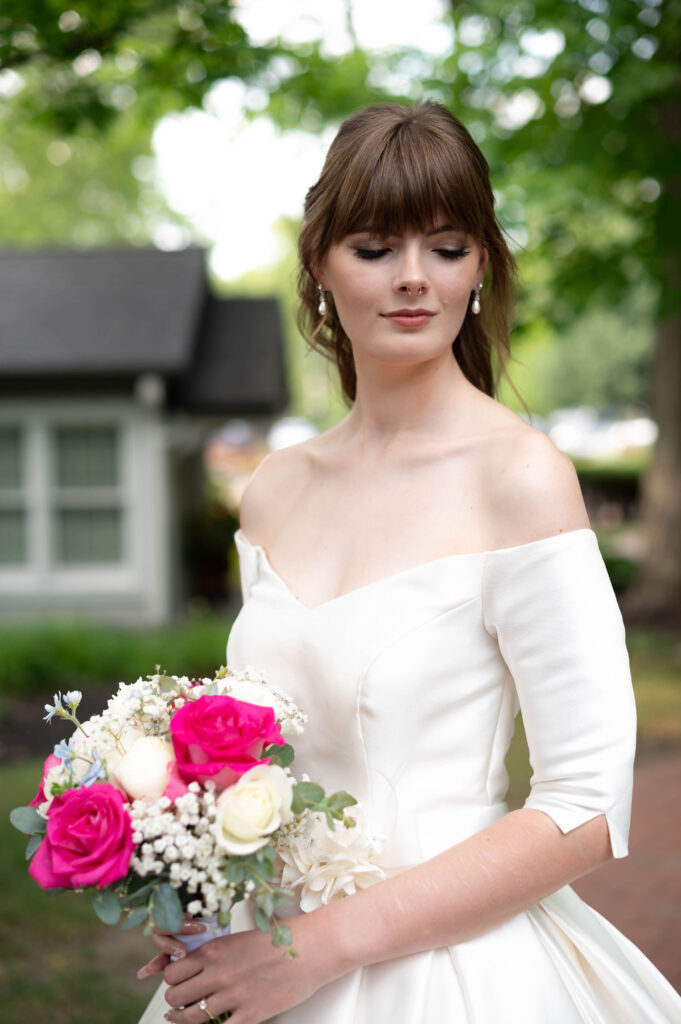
<point>196,1014</point>
<point>182,970</point>
<point>169,945</point>
<point>154,966</point>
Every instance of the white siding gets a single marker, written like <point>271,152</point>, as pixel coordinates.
<point>134,589</point>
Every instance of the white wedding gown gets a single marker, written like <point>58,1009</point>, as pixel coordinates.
<point>411,684</point>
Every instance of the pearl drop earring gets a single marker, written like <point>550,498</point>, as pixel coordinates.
<point>475,305</point>
<point>321,307</point>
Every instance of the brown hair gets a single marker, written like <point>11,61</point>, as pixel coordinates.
<point>396,168</point>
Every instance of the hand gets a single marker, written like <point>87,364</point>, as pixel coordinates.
<point>171,947</point>
<point>246,976</point>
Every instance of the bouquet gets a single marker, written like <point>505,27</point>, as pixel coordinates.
<point>179,798</point>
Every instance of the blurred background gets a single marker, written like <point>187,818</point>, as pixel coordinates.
<point>154,157</point>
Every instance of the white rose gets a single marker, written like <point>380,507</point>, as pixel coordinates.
<point>252,693</point>
<point>115,750</point>
<point>145,769</point>
<point>254,807</point>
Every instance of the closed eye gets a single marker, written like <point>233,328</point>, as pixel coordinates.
<point>370,254</point>
<point>453,254</point>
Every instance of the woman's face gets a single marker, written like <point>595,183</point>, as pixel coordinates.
<point>403,297</point>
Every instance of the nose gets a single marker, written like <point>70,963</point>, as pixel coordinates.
<point>410,279</point>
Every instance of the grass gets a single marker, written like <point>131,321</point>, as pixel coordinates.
<point>54,954</point>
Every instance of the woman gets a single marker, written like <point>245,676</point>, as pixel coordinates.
<point>412,576</point>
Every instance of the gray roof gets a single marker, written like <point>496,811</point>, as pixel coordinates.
<point>95,317</point>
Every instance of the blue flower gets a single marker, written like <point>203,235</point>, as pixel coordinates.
<point>55,709</point>
<point>95,771</point>
<point>73,698</point>
<point>64,751</point>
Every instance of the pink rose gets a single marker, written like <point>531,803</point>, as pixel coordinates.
<point>220,738</point>
<point>88,840</point>
<point>41,796</point>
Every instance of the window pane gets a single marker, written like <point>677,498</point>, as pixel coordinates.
<point>10,457</point>
<point>86,456</point>
<point>12,537</point>
<point>88,535</point>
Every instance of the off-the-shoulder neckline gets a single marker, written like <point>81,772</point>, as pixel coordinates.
<point>240,537</point>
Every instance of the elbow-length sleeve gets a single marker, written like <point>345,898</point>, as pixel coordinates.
<point>551,606</point>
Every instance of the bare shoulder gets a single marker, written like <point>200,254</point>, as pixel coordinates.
<point>273,486</point>
<point>531,487</point>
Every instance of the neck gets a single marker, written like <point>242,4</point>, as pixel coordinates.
<point>401,403</point>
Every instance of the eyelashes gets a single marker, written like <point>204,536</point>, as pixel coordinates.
<point>375,254</point>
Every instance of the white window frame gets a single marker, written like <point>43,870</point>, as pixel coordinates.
<point>38,420</point>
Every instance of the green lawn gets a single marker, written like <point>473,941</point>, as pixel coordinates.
<point>54,954</point>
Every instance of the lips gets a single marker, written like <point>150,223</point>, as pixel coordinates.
<point>409,317</point>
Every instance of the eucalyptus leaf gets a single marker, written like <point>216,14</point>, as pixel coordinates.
<point>306,794</point>
<point>28,821</point>
<point>262,919</point>
<point>281,935</point>
<point>136,917</point>
<point>166,909</point>
<point>106,905</point>
<point>283,756</point>
<point>33,844</point>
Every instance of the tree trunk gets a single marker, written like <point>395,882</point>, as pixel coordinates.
<point>655,595</point>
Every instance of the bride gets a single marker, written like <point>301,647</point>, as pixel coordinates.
<point>413,577</point>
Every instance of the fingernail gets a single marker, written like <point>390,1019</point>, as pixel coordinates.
<point>195,926</point>
<point>180,951</point>
<point>142,973</point>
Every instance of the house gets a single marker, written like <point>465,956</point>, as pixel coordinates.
<point>115,364</point>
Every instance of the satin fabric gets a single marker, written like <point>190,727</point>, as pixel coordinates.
<point>412,684</point>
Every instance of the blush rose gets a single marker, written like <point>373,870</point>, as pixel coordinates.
<point>88,840</point>
<point>41,795</point>
<point>219,738</point>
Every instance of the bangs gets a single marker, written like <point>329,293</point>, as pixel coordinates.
<point>409,181</point>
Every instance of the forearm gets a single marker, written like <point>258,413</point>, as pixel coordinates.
<point>464,891</point>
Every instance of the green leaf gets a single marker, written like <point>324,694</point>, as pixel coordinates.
<point>224,917</point>
<point>267,903</point>
<point>337,801</point>
<point>28,821</point>
<point>107,907</point>
<point>33,844</point>
<point>283,756</point>
<point>306,794</point>
<point>166,909</point>
<point>281,935</point>
<point>262,919</point>
<point>135,917</point>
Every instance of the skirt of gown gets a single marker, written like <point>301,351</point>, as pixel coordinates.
<point>559,962</point>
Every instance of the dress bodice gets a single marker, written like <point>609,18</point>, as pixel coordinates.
<point>412,684</point>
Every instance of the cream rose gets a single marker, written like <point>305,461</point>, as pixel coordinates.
<point>254,807</point>
<point>145,769</point>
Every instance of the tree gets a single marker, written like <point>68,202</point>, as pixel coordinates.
<point>576,104</point>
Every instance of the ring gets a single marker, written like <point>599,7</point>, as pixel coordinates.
<point>203,1005</point>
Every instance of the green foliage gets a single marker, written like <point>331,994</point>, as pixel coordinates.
<point>106,906</point>
<point>310,796</point>
<point>28,821</point>
<point>45,657</point>
<point>166,908</point>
